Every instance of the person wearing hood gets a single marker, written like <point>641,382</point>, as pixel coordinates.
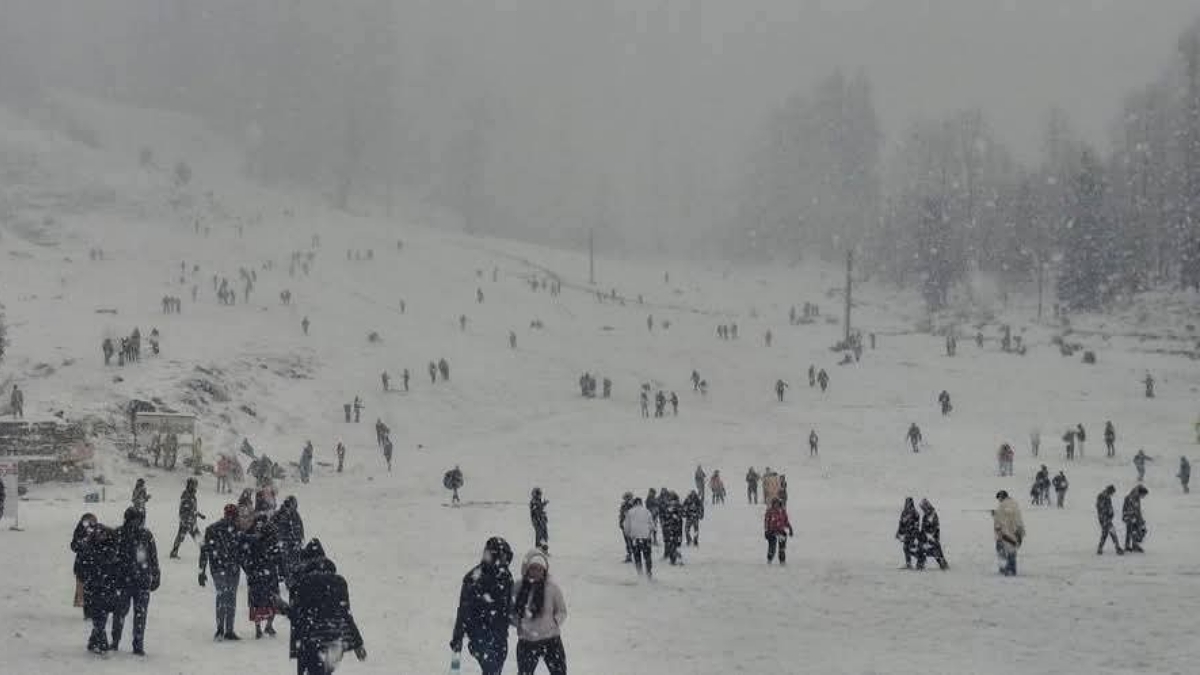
<point>137,557</point>
<point>140,495</point>
<point>188,513</point>
<point>1104,513</point>
<point>318,608</point>
<point>263,559</point>
<point>627,501</point>
<point>79,546</point>
<point>1185,473</point>
<point>222,554</point>
<point>101,584</point>
<point>909,532</point>
<point>1135,524</point>
<point>777,527</point>
<point>289,527</point>
<point>638,526</point>
<point>931,537</point>
<point>538,612</point>
<point>1009,530</point>
<point>672,525</point>
<point>537,515</point>
<point>484,606</point>
<point>693,513</point>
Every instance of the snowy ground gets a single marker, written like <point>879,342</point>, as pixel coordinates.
<point>514,419</point>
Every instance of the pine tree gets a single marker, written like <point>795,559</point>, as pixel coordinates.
<point>1087,278</point>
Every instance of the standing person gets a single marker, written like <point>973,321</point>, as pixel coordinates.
<point>1110,438</point>
<point>222,554</point>
<point>812,443</point>
<point>101,584</point>
<point>823,380</point>
<point>306,461</point>
<point>139,577</point>
<point>404,377</point>
<point>672,526</point>
<point>693,513</point>
<point>1081,436</point>
<point>699,478</point>
<point>1135,525</point>
<point>653,507</point>
<point>931,537</point>
<point>1035,441</point>
<point>638,527</point>
<point>188,513</point>
<point>263,559</point>
<point>909,532</point>
<point>645,404</point>
<point>914,437</point>
<point>140,495</point>
<point>1069,440</point>
<point>627,501</point>
<point>1185,473</point>
<point>341,455</point>
<point>453,481</point>
<point>674,399</point>
<point>484,608</point>
<point>812,376</point>
<point>539,612</point>
<point>385,379</point>
<point>780,387</point>
<point>1139,463</point>
<point>944,402</point>
<point>387,453</point>
<point>17,403</point>
<point>537,515</point>
<point>1009,530</point>
<point>751,486</point>
<point>79,546</point>
<point>776,529</point>
<point>716,485</point>
<point>1104,513</point>
<point>318,608</point>
<point>1060,488</point>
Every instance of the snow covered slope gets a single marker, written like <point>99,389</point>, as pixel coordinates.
<point>513,419</point>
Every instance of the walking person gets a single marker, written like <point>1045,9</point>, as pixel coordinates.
<point>484,608</point>
<point>222,555</point>
<point>638,528</point>
<point>931,537</point>
<point>1185,473</point>
<point>776,529</point>
<point>1135,524</point>
<point>812,443</point>
<point>693,513</point>
<point>188,513</point>
<point>751,486</point>
<point>17,403</point>
<point>699,478</point>
<point>318,607</point>
<point>908,533</point>
<point>140,495</point>
<point>1104,513</point>
<point>101,584</point>
<point>1139,463</point>
<point>1009,530</point>
<point>80,547</point>
<point>537,515</point>
<point>1110,438</point>
<point>289,529</point>
<point>538,612</point>
<point>627,501</point>
<point>1060,488</point>
<point>139,577</point>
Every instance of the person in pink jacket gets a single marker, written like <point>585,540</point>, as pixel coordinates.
<point>538,612</point>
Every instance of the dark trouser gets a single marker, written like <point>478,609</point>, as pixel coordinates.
<point>98,639</point>
<point>777,541</point>
<point>139,599</point>
<point>931,549</point>
<point>912,549</point>
<point>1112,448</point>
<point>185,529</point>
<point>1061,494</point>
<point>642,556</point>
<point>1106,531</point>
<point>551,651</point>
<point>1134,533</point>
<point>752,494</point>
<point>1009,569</point>
<point>628,549</point>
<point>226,586</point>
<point>491,658</point>
<point>690,526</point>
<point>310,660</point>
<point>541,537</point>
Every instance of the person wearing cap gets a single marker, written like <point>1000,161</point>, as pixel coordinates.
<point>538,612</point>
<point>484,607</point>
<point>137,558</point>
<point>221,553</point>
<point>1009,530</point>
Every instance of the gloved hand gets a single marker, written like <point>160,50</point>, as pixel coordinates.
<point>456,646</point>
<point>361,653</point>
<point>203,580</point>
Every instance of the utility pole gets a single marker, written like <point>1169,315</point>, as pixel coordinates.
<point>849,268</point>
<point>591,257</point>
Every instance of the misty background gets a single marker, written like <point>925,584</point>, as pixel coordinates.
<point>933,138</point>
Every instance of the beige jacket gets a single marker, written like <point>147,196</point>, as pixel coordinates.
<point>1008,526</point>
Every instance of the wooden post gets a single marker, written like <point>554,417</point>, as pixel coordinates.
<point>849,267</point>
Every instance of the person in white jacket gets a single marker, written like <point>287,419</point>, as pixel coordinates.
<point>1010,532</point>
<point>538,612</point>
<point>639,530</point>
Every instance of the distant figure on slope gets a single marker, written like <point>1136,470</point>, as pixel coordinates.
<point>823,380</point>
<point>693,513</point>
<point>645,403</point>
<point>914,437</point>
<point>304,325</point>
<point>699,478</point>
<point>674,404</point>
<point>537,515</point>
<point>1185,473</point>
<point>717,488</point>
<point>751,486</point>
<point>1149,382</point>
<point>453,481</point>
<point>1060,488</point>
<point>944,401</point>
<point>780,388</point>
<point>813,440</point>
<point>1139,463</point>
<point>1110,438</point>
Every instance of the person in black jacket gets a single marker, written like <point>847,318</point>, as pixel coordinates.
<point>101,583</point>
<point>652,505</point>
<point>188,514</point>
<point>693,513</point>
<point>483,608</point>
<point>264,556</point>
<point>222,553</point>
<point>672,525</point>
<point>931,537</point>
<point>537,515</point>
<point>79,541</point>
<point>289,527</point>
<point>1135,525</point>
<point>909,531</point>
<point>319,611</point>
<point>1104,513</point>
<point>140,576</point>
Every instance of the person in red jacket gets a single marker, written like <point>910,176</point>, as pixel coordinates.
<point>777,528</point>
